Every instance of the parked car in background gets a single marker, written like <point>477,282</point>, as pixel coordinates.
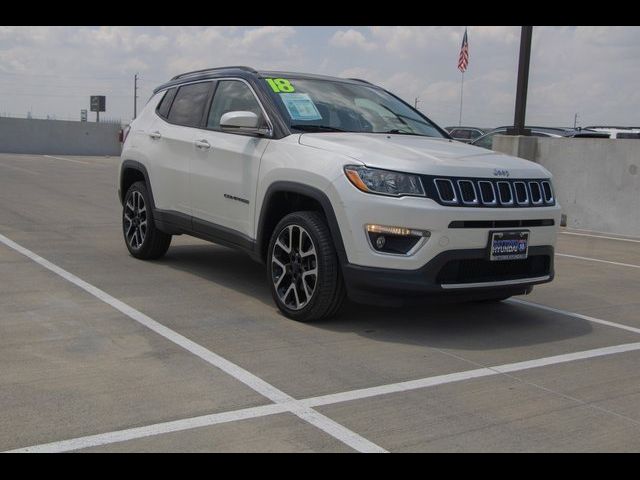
<point>617,132</point>
<point>486,141</point>
<point>466,134</point>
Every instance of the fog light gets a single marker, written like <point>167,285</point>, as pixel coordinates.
<point>395,240</point>
<point>402,231</point>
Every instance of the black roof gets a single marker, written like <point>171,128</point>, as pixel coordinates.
<point>214,69</point>
<point>243,71</point>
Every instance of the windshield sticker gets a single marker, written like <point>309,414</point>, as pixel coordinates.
<point>300,106</point>
<point>280,85</point>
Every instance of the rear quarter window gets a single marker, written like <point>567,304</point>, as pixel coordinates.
<point>165,103</point>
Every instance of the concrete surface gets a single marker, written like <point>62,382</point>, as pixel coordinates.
<point>596,180</point>
<point>71,366</point>
<point>58,137</point>
<point>274,434</point>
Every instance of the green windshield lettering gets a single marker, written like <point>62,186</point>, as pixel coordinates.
<point>280,85</point>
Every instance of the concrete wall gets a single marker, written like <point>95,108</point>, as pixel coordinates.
<point>20,135</point>
<point>596,180</point>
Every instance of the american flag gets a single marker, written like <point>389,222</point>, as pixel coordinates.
<point>463,61</point>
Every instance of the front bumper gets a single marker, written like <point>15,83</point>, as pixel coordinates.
<point>355,209</point>
<point>452,275</point>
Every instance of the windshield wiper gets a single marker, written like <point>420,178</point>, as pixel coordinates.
<point>317,128</point>
<point>403,132</point>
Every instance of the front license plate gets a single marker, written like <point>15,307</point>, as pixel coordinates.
<point>509,245</point>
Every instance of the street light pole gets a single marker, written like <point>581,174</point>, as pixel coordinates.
<point>523,81</point>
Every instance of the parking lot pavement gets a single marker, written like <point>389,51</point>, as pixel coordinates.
<point>276,433</point>
<point>75,366</point>
<point>603,290</point>
<point>490,414</point>
<point>72,365</point>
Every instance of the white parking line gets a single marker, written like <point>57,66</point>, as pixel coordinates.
<point>575,315</point>
<point>601,236</point>
<point>151,430</point>
<point>598,260</point>
<point>67,159</point>
<point>277,396</point>
<point>254,412</point>
<point>282,401</point>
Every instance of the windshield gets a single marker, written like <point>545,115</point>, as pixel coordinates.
<point>334,106</point>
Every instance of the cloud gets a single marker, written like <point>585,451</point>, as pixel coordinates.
<point>351,38</point>
<point>589,70</point>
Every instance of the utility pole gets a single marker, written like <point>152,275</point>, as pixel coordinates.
<point>523,81</point>
<point>415,103</point>
<point>575,121</point>
<point>135,96</point>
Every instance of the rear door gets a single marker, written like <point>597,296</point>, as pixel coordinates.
<point>224,168</point>
<point>174,137</point>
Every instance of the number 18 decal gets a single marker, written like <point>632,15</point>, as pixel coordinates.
<point>280,85</point>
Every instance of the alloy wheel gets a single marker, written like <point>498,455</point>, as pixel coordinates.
<point>294,267</point>
<point>135,220</point>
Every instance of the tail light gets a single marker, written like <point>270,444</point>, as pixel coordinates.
<point>124,133</point>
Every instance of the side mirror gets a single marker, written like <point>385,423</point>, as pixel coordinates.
<point>242,122</point>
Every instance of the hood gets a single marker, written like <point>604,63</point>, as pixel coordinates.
<point>424,155</point>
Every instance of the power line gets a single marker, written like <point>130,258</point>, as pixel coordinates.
<point>126,77</point>
<point>68,95</point>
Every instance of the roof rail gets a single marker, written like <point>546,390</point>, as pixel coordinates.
<point>241,67</point>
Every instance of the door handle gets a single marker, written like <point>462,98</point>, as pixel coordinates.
<point>155,135</point>
<point>202,144</point>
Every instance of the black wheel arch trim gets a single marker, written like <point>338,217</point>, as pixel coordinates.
<point>135,165</point>
<point>312,192</point>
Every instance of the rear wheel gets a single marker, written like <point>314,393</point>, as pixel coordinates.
<point>141,236</point>
<point>303,269</point>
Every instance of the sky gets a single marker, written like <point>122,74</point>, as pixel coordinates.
<point>592,71</point>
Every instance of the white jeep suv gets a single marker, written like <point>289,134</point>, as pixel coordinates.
<point>339,186</point>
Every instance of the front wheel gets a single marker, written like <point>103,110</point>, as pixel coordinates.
<point>303,269</point>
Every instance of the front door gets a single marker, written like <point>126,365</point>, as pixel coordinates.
<point>224,168</point>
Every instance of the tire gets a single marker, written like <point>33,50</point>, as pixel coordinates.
<point>142,238</point>
<point>299,293</point>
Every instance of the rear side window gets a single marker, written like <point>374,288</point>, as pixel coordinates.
<point>165,103</point>
<point>189,104</point>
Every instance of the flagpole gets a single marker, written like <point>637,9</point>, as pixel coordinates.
<point>461,93</point>
<point>462,66</point>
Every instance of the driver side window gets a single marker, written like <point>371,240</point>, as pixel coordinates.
<point>232,96</point>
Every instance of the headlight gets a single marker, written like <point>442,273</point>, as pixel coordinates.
<point>384,182</point>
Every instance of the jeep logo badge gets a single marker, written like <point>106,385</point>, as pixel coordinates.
<point>501,173</point>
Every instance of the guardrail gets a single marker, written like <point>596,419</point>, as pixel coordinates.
<point>596,180</point>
